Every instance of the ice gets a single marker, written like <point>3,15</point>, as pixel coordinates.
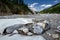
<point>21,37</point>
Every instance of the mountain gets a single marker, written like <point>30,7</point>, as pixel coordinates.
<point>53,9</point>
<point>10,7</point>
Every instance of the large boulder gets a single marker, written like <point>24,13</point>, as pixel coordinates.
<point>37,29</point>
<point>41,27</point>
<point>12,28</point>
<point>11,24</point>
<point>45,24</point>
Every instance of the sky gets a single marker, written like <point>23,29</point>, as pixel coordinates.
<point>38,5</point>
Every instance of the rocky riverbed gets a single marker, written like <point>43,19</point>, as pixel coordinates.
<point>54,20</point>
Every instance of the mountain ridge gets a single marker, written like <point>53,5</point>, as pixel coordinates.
<point>8,7</point>
<point>53,9</point>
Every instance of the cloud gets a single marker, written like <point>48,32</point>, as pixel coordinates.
<point>37,7</point>
<point>56,1</point>
<point>43,6</point>
<point>32,6</point>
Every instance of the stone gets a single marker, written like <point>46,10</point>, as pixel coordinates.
<point>25,30</point>
<point>45,25</point>
<point>58,27</point>
<point>58,31</point>
<point>29,34</point>
<point>12,28</point>
<point>40,23</point>
<point>55,35</point>
<point>11,22</point>
<point>15,31</point>
<point>45,21</point>
<point>37,29</point>
<point>48,33</point>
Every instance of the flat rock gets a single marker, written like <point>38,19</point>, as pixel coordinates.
<point>29,34</point>
<point>21,37</point>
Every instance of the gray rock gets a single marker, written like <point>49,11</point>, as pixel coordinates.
<point>29,33</point>
<point>58,27</point>
<point>45,25</point>
<point>25,30</point>
<point>37,29</point>
<point>48,33</point>
<point>55,35</point>
<point>12,28</point>
<point>45,21</point>
<point>58,31</point>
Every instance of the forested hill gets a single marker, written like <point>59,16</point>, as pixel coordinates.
<point>8,7</point>
<point>53,9</point>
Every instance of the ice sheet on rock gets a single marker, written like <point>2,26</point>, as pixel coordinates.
<point>21,37</point>
<point>9,22</point>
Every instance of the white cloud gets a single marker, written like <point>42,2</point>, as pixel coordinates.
<point>43,6</point>
<point>39,7</point>
<point>56,1</point>
<point>32,6</point>
<point>46,6</point>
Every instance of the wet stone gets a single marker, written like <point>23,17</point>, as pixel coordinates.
<point>55,35</point>
<point>29,34</point>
